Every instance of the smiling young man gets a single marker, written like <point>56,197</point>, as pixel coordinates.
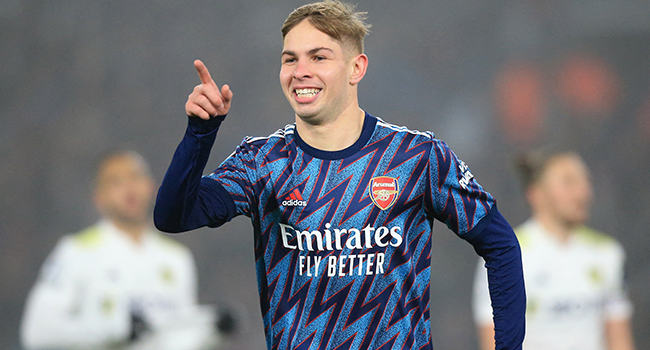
<point>320,77</point>
<point>342,203</point>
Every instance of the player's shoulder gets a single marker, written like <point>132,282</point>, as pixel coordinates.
<point>383,127</point>
<point>260,145</point>
<point>526,233</point>
<point>417,139</point>
<point>88,238</point>
<point>169,244</point>
<point>171,251</point>
<point>596,239</point>
<point>283,134</point>
<point>73,246</point>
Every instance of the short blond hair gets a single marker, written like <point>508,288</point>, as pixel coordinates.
<point>337,19</point>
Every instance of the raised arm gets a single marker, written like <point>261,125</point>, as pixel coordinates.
<point>185,201</point>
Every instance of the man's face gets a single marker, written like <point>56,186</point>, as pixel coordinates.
<point>316,74</point>
<point>124,190</point>
<point>565,190</point>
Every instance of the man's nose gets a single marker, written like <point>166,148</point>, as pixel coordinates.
<point>302,70</point>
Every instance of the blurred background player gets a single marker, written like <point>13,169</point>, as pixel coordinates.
<point>573,274</point>
<point>118,283</point>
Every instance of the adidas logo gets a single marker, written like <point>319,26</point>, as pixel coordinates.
<point>294,200</point>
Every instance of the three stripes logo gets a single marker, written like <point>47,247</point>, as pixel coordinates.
<point>294,199</point>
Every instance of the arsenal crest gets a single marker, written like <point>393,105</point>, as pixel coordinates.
<point>383,191</point>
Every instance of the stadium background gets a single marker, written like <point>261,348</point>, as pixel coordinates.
<point>492,78</point>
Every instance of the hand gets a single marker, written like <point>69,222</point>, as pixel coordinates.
<point>207,100</point>
<point>139,327</point>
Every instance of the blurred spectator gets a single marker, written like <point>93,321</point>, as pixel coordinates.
<point>118,284</point>
<point>573,274</point>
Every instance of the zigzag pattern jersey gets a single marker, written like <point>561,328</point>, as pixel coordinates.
<point>343,239</point>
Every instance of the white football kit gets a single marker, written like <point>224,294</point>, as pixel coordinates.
<point>95,281</point>
<point>572,288</point>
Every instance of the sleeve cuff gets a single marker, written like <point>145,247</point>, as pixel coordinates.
<point>199,126</point>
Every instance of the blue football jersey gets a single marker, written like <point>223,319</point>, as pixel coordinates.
<point>343,239</point>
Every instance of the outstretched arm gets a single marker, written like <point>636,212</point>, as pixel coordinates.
<point>186,201</point>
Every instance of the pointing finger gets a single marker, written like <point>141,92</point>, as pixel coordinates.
<point>204,73</point>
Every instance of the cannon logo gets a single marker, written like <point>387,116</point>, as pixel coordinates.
<point>383,191</point>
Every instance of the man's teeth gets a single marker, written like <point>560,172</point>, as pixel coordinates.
<point>306,93</point>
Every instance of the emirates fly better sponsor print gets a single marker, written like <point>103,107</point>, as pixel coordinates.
<point>383,191</point>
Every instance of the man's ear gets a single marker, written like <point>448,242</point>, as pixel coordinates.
<point>359,67</point>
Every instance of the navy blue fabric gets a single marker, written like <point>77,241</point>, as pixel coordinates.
<point>496,242</point>
<point>182,204</point>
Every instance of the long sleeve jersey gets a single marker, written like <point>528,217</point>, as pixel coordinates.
<point>343,239</point>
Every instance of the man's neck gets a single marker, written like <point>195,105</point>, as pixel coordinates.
<point>134,231</point>
<point>335,134</point>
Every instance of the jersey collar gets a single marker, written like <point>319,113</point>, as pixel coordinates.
<point>368,128</point>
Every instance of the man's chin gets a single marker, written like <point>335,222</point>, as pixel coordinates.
<point>575,221</point>
<point>304,113</point>
<point>309,117</point>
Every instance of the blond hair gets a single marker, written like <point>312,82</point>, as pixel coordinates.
<point>337,19</point>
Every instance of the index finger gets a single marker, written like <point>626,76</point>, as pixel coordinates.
<point>204,74</point>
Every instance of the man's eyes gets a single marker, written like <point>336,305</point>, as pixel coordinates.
<point>289,60</point>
